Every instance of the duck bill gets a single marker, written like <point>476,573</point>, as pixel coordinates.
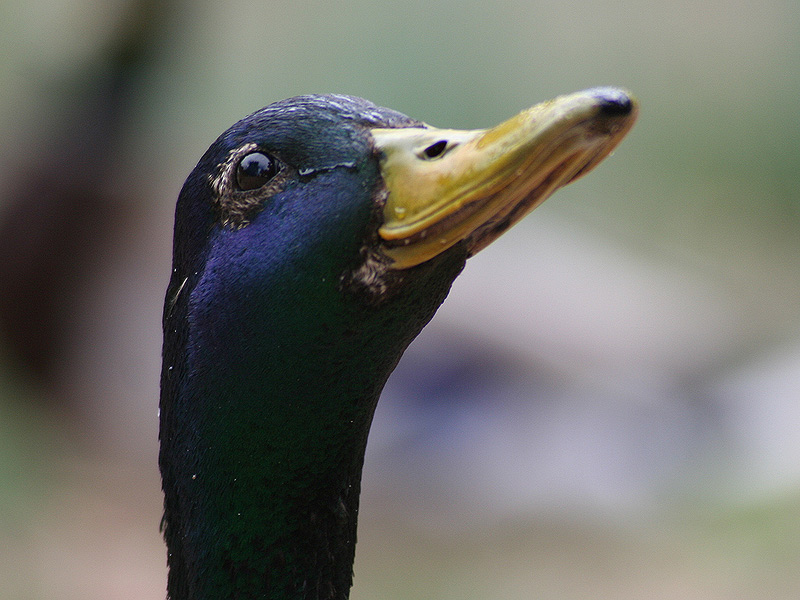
<point>448,186</point>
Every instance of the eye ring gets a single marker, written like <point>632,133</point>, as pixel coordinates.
<point>255,170</point>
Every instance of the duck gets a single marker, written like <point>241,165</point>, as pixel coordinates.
<point>313,241</point>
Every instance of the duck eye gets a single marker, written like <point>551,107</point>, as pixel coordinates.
<point>436,149</point>
<point>255,170</point>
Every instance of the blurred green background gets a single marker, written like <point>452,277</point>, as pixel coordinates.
<point>607,406</point>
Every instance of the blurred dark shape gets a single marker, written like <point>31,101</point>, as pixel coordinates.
<point>61,214</point>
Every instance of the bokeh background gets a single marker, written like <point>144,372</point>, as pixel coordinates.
<point>607,406</point>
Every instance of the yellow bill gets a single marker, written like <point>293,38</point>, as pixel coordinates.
<point>446,186</point>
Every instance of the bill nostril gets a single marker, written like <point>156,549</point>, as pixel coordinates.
<point>435,150</point>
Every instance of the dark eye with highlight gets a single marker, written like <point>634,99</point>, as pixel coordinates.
<point>256,170</point>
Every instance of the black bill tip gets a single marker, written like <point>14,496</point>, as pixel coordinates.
<point>613,101</point>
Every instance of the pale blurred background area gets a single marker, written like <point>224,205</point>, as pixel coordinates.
<point>608,404</point>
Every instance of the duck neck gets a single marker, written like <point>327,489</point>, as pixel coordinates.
<point>262,444</point>
<point>265,487</point>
